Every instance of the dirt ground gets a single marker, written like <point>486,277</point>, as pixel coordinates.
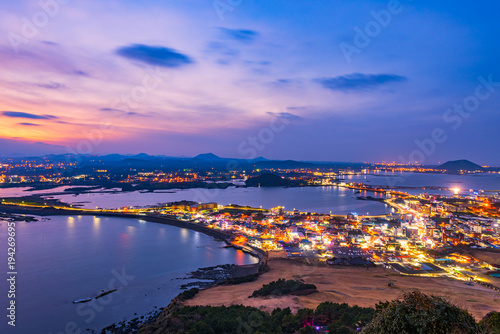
<point>355,286</point>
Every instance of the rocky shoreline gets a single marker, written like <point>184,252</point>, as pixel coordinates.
<point>215,275</point>
<point>10,217</point>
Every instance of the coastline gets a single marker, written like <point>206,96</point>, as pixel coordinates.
<point>238,271</point>
<point>235,271</point>
<point>14,209</point>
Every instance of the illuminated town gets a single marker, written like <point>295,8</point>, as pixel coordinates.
<point>244,167</point>
<point>424,235</point>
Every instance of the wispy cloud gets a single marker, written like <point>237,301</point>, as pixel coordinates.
<point>82,73</point>
<point>284,115</point>
<point>240,35</point>
<point>288,83</point>
<point>297,108</point>
<point>359,81</point>
<point>19,114</point>
<point>231,45</point>
<point>225,53</point>
<point>155,55</point>
<point>130,113</point>
<point>50,43</point>
<point>29,124</point>
<point>111,109</point>
<point>52,85</point>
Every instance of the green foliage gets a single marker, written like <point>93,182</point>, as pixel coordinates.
<point>337,316</point>
<point>491,322</point>
<point>418,313</point>
<point>413,313</point>
<point>188,294</point>
<point>282,287</point>
<point>221,320</point>
<point>290,323</point>
<point>305,315</point>
<point>248,320</point>
<point>240,280</point>
<point>201,328</point>
<point>306,330</point>
<point>340,330</point>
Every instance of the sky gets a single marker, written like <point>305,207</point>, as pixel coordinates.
<point>404,81</point>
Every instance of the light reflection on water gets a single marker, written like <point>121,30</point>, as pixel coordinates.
<point>69,258</point>
<point>184,235</point>
<point>96,223</point>
<point>311,199</point>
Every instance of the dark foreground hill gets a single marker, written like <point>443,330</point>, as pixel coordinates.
<point>414,312</point>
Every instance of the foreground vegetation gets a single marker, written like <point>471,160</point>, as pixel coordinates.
<point>337,318</point>
<point>416,312</point>
<point>413,312</point>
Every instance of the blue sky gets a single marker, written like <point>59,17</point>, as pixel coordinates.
<point>234,77</point>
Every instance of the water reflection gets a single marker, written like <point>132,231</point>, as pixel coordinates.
<point>65,260</point>
<point>124,241</point>
<point>184,235</point>
<point>71,222</point>
<point>306,199</point>
<point>240,257</point>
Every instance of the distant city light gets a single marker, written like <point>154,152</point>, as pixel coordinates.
<point>456,190</point>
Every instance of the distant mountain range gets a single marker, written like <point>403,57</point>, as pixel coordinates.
<point>458,165</point>
<point>209,160</point>
<point>145,161</point>
<point>213,157</point>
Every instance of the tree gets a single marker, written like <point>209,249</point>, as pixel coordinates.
<point>491,322</point>
<point>343,330</point>
<point>290,323</point>
<point>334,328</point>
<point>201,328</point>
<point>305,316</point>
<point>306,330</point>
<point>418,313</point>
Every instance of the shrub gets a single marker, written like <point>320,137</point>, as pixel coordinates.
<point>491,322</point>
<point>240,280</point>
<point>416,312</point>
<point>282,287</point>
<point>188,294</point>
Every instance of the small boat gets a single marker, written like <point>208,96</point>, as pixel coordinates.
<point>105,293</point>
<point>80,301</point>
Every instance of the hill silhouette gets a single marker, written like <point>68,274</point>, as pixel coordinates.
<point>208,157</point>
<point>458,165</point>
